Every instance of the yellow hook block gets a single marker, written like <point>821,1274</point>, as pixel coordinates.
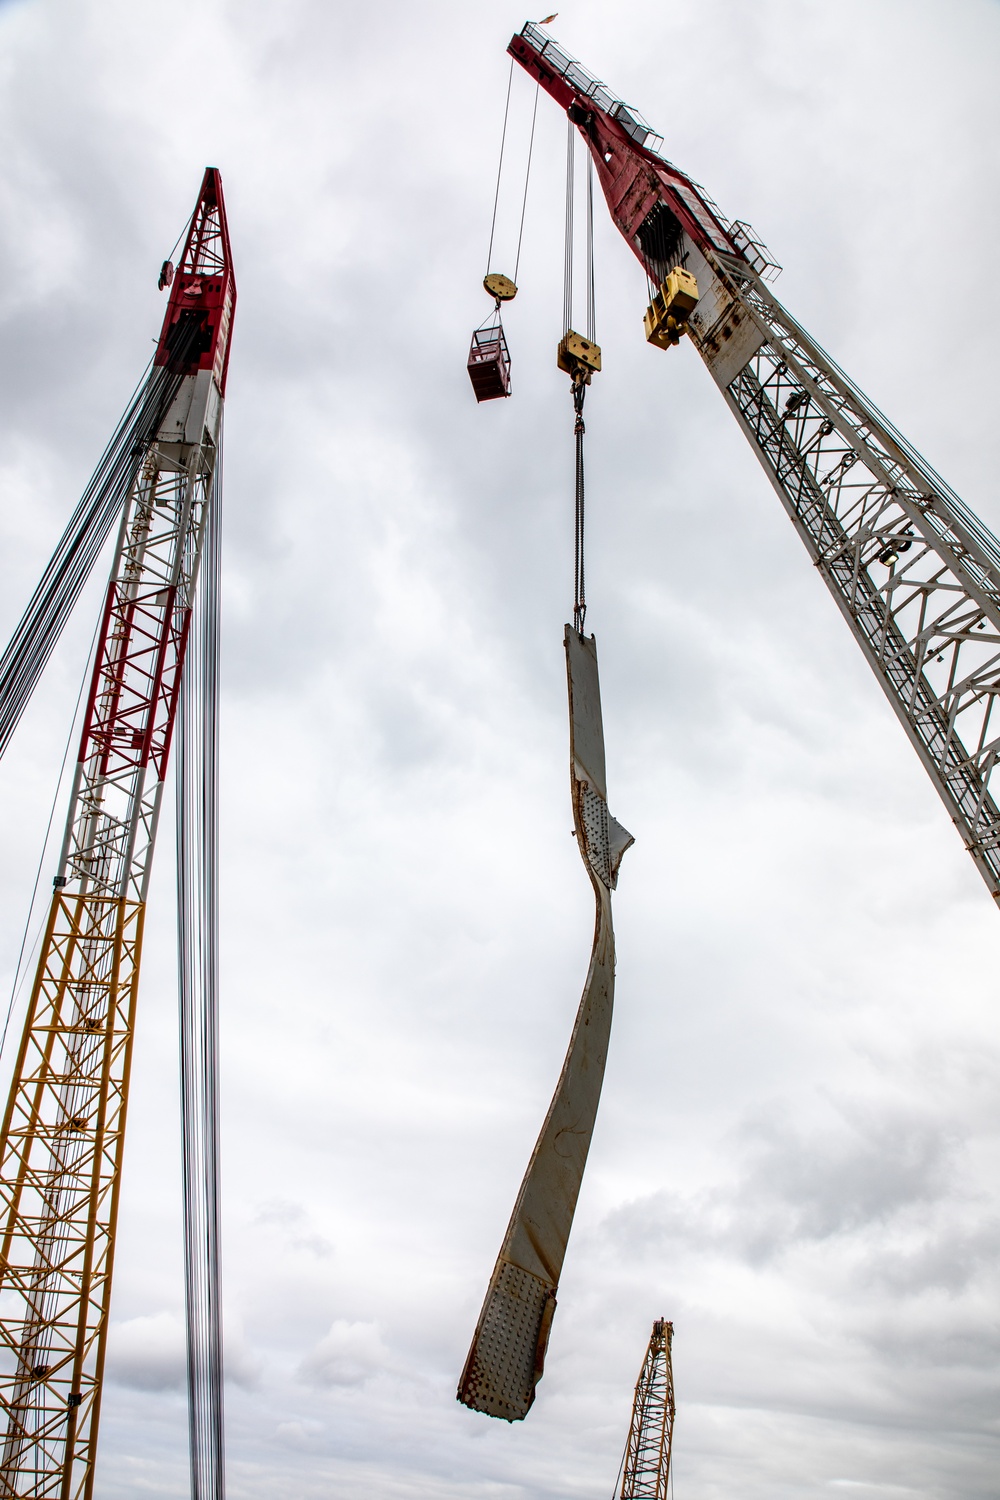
<point>667,315</point>
<point>577,353</point>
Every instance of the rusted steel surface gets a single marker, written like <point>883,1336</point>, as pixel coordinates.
<point>507,1355</point>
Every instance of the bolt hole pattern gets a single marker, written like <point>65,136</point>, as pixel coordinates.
<point>593,817</point>
<point>500,1378</point>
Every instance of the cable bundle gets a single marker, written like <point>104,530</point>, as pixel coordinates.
<point>79,547</point>
<point>198,964</point>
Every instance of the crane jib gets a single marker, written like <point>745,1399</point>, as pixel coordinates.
<point>914,572</point>
<point>634,178</point>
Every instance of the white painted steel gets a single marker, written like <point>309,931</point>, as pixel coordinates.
<point>915,573</point>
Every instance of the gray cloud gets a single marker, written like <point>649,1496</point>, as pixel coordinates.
<point>147,1353</point>
<point>854,1178</point>
<point>349,1354</point>
<point>795,1155</point>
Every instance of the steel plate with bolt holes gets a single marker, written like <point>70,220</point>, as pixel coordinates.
<point>507,1355</point>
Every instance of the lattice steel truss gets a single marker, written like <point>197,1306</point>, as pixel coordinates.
<point>914,572</point>
<point>916,575</point>
<point>63,1132</point>
<point>646,1466</point>
<point>60,1154</point>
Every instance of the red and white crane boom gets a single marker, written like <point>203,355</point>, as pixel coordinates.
<point>914,572</point>
<point>63,1130</point>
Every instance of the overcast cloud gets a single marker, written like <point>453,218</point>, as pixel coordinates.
<point>796,1157</point>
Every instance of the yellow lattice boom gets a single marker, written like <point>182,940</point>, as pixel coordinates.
<point>646,1468</point>
<point>60,1165</point>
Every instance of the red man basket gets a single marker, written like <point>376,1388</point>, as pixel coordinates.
<point>489,363</point>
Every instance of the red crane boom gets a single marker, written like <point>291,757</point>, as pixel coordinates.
<point>914,572</point>
<point>63,1131</point>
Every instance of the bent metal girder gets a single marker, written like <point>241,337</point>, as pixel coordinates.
<point>63,1131</point>
<point>914,572</point>
<point>507,1355</point>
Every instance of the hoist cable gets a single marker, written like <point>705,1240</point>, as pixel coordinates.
<point>621,1466</point>
<point>197,771</point>
<point>496,195</point>
<point>581,375</point>
<point>181,237</point>
<point>568,242</point>
<point>591,312</point>
<point>527,179</point>
<point>22,968</point>
<point>78,548</point>
<point>579,578</point>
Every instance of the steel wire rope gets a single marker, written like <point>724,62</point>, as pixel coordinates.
<point>591,309</point>
<point>20,976</point>
<point>494,318</point>
<point>579,376</point>
<point>184,233</point>
<point>197,780</point>
<point>568,238</point>
<point>63,579</point>
<point>621,1467</point>
<point>77,550</point>
<point>579,577</point>
<point>503,142</point>
<point>527,179</point>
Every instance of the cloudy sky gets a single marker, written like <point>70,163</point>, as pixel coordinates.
<point>796,1157</point>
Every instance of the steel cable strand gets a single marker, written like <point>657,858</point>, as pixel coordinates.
<point>190,954</point>
<point>496,195</point>
<point>579,575</point>
<point>78,548</point>
<point>591,300</point>
<point>211,982</point>
<point>568,233</point>
<point>527,179</point>
<point>197,785</point>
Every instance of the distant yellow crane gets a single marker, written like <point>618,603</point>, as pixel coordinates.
<point>646,1465</point>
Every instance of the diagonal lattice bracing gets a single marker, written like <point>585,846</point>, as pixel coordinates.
<point>61,1155</point>
<point>914,571</point>
<point>63,1132</point>
<point>646,1464</point>
<point>915,574</point>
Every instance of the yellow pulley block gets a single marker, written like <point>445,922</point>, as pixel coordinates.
<point>667,315</point>
<point>576,354</point>
<point>499,286</point>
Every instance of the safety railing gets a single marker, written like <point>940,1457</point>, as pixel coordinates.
<point>560,61</point>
